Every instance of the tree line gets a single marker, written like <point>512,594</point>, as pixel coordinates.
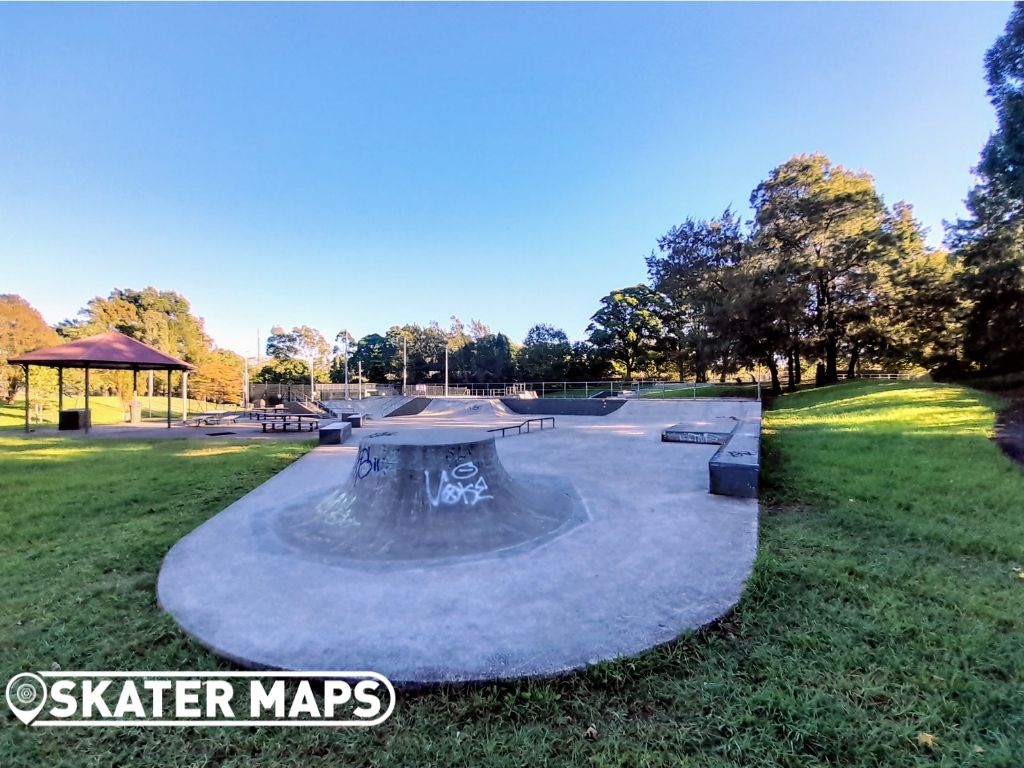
<point>415,354</point>
<point>826,278</point>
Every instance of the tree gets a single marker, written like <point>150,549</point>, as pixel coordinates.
<point>628,326</point>
<point>282,344</point>
<point>1002,159</point>
<point>303,344</point>
<point>377,355</point>
<point>585,362</point>
<point>545,354</point>
<point>162,319</point>
<point>22,329</point>
<point>689,270</point>
<point>219,377</point>
<point>824,226</point>
<point>344,343</point>
<point>990,242</point>
<point>493,359</point>
<point>990,247</point>
<point>916,311</point>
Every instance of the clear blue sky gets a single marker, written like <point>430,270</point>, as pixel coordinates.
<point>367,165</point>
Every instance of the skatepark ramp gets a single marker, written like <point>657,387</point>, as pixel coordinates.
<point>411,408</point>
<point>562,406</point>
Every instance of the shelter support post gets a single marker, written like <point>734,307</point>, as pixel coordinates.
<point>60,391</point>
<point>168,398</point>
<point>184,395</point>
<point>26,398</point>
<point>88,413</point>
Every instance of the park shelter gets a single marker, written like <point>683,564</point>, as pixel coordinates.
<point>104,351</point>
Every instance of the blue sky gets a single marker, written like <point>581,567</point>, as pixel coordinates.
<point>359,166</point>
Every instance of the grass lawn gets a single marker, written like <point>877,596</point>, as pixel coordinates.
<point>884,604</point>
<point>105,410</point>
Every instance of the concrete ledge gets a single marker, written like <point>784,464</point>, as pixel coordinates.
<point>699,432</point>
<point>735,468</point>
<point>335,433</point>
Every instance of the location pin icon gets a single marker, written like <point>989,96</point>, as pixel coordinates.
<point>26,695</point>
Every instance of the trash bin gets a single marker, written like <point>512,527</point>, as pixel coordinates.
<point>74,418</point>
<point>135,412</point>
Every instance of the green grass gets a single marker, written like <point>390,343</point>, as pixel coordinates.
<point>883,604</point>
<point>105,410</point>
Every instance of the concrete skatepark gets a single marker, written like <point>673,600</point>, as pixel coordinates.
<point>429,550</point>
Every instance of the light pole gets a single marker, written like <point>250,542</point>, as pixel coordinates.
<point>446,369</point>
<point>345,353</point>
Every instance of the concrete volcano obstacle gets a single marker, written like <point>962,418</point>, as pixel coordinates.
<point>429,495</point>
<point>432,553</point>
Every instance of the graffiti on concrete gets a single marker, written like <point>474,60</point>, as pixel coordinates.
<point>458,488</point>
<point>367,464</point>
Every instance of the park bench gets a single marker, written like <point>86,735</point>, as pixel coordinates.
<point>298,420</point>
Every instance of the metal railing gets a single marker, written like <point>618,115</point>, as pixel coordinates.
<point>519,427</point>
<point>747,388</point>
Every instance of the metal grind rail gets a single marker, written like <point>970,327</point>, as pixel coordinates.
<point>519,427</point>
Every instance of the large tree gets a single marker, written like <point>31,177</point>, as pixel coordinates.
<point>22,329</point>
<point>219,377</point>
<point>302,344</point>
<point>990,246</point>
<point>162,319</point>
<point>377,355</point>
<point>544,354</point>
<point>1002,160</point>
<point>629,328</point>
<point>990,242</point>
<point>689,270</point>
<point>824,225</point>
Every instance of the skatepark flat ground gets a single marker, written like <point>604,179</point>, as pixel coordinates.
<point>658,555</point>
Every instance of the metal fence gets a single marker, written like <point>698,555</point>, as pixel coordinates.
<point>647,389</point>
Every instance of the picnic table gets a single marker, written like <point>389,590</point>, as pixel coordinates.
<point>261,413</point>
<point>298,420</point>
<point>212,418</point>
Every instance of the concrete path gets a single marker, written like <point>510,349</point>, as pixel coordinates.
<point>657,556</point>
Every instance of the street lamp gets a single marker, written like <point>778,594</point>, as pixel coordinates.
<point>344,343</point>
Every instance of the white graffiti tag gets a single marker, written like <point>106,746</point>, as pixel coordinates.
<point>458,489</point>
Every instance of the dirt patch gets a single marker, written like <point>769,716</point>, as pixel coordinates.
<point>1009,432</point>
